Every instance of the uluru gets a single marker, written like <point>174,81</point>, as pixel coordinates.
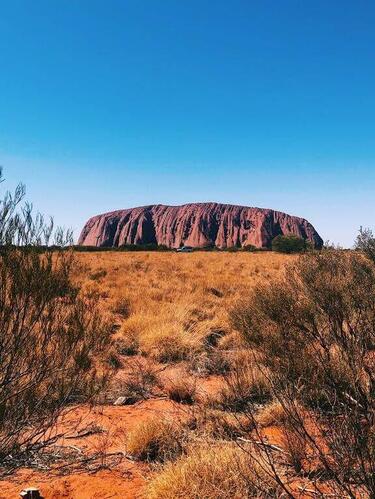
<point>196,225</point>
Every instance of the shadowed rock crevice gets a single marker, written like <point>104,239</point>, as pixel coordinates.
<point>197,225</point>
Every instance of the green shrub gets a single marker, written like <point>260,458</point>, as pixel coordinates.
<point>289,244</point>
<point>249,247</point>
<point>232,249</point>
<point>314,331</point>
<point>366,243</point>
<point>124,247</point>
<point>53,341</point>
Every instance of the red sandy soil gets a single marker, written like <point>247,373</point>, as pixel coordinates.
<point>103,484</point>
<point>119,477</point>
<point>116,476</point>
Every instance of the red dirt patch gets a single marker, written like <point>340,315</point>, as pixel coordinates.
<point>119,478</point>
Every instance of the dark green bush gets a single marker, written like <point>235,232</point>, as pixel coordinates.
<point>289,244</point>
<point>249,247</point>
<point>232,249</point>
<point>124,247</point>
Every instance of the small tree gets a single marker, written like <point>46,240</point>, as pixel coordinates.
<point>51,336</point>
<point>288,244</point>
<point>313,335</point>
<point>366,243</point>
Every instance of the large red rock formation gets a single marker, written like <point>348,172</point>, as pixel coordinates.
<point>197,225</point>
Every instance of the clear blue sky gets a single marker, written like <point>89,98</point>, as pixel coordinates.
<point>116,103</point>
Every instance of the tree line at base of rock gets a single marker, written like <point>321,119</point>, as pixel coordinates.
<point>281,244</point>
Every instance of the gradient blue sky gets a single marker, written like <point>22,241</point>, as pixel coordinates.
<point>116,103</point>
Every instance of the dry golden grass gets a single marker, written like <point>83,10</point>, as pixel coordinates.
<point>156,440</point>
<point>181,390</point>
<point>196,388</point>
<point>214,424</point>
<point>171,306</point>
<point>245,384</point>
<point>273,414</point>
<point>218,471</point>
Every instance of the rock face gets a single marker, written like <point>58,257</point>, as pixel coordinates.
<point>197,225</point>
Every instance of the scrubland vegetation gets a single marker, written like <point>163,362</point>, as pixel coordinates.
<point>172,307</point>
<point>52,337</point>
<point>216,375</point>
<point>287,345</point>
